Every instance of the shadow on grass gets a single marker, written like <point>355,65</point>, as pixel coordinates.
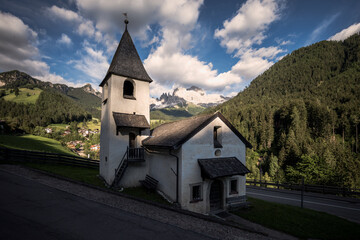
<point>33,143</point>
<point>90,176</point>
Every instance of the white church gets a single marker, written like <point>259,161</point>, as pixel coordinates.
<point>198,162</point>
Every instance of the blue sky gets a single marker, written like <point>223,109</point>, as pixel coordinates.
<point>219,46</point>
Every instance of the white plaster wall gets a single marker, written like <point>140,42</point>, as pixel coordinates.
<point>160,165</point>
<point>124,105</point>
<point>104,133</point>
<point>201,146</point>
<point>114,146</point>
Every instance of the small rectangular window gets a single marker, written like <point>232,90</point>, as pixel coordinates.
<point>196,193</point>
<point>233,186</point>
<point>217,137</point>
<point>105,93</point>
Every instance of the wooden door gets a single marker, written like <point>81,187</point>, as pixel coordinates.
<point>216,195</point>
<point>132,143</point>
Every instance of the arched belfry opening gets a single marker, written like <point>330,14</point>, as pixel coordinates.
<point>129,89</point>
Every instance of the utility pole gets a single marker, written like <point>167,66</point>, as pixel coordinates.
<point>302,192</point>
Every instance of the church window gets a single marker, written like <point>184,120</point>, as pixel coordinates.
<point>105,92</point>
<point>217,137</point>
<point>196,192</point>
<point>233,186</point>
<point>128,90</point>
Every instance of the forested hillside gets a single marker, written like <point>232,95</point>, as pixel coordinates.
<point>85,96</point>
<point>50,107</point>
<point>302,115</point>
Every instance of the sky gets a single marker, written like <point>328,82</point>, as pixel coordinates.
<point>219,46</point>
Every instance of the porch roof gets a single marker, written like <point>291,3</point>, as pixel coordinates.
<point>130,120</point>
<point>222,167</point>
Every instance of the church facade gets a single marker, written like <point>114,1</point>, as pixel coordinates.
<point>198,162</point>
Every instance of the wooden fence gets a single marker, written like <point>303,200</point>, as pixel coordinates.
<point>13,155</point>
<point>344,191</point>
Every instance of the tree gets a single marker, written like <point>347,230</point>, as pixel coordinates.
<point>273,167</point>
<point>16,91</point>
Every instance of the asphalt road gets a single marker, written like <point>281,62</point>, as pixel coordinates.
<point>29,210</point>
<point>344,209</point>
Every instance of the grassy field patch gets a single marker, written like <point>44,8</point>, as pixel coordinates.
<point>26,95</point>
<point>33,143</point>
<point>91,125</point>
<point>58,126</point>
<point>302,223</point>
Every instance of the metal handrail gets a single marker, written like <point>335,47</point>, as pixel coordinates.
<point>122,161</point>
<point>136,153</point>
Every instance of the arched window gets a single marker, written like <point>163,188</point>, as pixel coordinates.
<point>129,89</point>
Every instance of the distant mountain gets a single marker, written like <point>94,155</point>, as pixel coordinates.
<point>86,96</point>
<point>183,96</point>
<point>302,115</point>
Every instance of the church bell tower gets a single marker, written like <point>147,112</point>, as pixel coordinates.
<point>125,116</point>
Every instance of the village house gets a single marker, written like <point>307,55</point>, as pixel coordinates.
<point>48,130</point>
<point>198,162</point>
<point>95,147</point>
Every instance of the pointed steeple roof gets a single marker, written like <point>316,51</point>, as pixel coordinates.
<point>126,61</point>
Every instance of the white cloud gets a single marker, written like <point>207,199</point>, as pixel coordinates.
<point>18,49</point>
<point>251,66</point>
<point>54,78</point>
<point>92,62</point>
<point>64,40</point>
<point>345,33</point>
<point>320,29</point>
<point>17,40</point>
<point>84,27</point>
<point>64,14</point>
<point>247,27</point>
<point>169,63</point>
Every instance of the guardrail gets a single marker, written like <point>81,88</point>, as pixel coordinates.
<point>344,191</point>
<point>8,155</point>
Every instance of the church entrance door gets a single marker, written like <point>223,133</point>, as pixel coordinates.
<point>216,195</point>
<point>132,143</point>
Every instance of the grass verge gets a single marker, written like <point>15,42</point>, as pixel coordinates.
<point>81,174</point>
<point>299,222</point>
<point>33,143</point>
<point>90,176</point>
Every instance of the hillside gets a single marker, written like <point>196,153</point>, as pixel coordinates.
<point>302,115</point>
<point>33,143</point>
<point>86,96</point>
<point>50,107</point>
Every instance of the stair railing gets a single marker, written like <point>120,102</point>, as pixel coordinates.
<point>125,157</point>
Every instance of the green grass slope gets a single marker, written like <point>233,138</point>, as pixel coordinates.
<point>26,95</point>
<point>300,222</point>
<point>33,143</point>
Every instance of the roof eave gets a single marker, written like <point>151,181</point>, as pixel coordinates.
<point>109,73</point>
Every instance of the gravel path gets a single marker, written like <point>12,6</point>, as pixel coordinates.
<point>212,229</point>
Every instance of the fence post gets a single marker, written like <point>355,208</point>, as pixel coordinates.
<point>302,192</point>
<point>277,184</point>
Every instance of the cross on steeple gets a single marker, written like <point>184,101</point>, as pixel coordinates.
<point>126,20</point>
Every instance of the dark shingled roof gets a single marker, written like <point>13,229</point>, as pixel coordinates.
<point>222,167</point>
<point>126,61</point>
<point>174,134</point>
<point>130,120</point>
